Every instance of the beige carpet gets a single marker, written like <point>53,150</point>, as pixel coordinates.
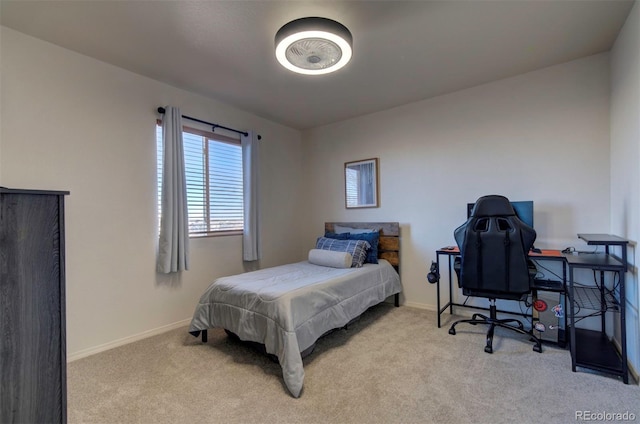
<point>393,365</point>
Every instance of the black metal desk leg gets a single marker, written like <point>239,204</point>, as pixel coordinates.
<point>623,333</point>
<point>438,287</point>
<point>572,332</point>
<point>603,303</point>
<point>451,260</point>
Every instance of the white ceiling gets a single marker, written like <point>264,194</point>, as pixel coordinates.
<point>404,51</point>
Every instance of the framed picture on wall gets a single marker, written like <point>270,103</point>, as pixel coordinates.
<point>361,184</point>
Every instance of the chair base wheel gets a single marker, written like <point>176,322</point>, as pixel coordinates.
<point>493,322</point>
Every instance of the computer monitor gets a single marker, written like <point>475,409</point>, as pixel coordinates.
<point>524,210</point>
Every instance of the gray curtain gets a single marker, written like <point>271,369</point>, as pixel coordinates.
<point>250,237</point>
<point>173,244</point>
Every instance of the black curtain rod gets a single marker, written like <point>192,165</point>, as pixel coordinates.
<point>214,126</point>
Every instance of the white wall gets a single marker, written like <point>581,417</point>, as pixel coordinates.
<point>69,122</point>
<point>541,136</point>
<point>73,123</point>
<point>625,162</point>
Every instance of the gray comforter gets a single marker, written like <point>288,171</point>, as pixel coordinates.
<point>287,308</point>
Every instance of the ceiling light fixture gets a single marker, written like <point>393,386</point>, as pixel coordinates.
<point>313,46</point>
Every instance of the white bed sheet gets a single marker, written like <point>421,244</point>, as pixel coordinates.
<point>287,308</point>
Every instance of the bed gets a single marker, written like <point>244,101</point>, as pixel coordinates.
<point>288,308</point>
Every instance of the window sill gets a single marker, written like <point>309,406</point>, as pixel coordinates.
<point>217,234</point>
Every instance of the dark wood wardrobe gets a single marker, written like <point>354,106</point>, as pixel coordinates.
<point>33,385</point>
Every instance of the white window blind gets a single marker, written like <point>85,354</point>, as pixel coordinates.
<point>352,187</point>
<point>213,168</point>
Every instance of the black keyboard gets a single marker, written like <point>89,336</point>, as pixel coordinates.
<point>547,285</point>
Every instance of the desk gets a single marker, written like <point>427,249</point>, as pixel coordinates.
<point>589,349</point>
<point>593,349</point>
<point>451,253</point>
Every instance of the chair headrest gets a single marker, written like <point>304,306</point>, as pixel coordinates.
<point>492,205</point>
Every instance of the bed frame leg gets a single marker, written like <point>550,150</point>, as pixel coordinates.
<point>397,300</point>
<point>204,336</point>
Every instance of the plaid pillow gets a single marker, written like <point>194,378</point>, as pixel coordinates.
<point>357,248</point>
<point>372,238</point>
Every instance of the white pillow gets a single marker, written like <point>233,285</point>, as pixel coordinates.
<point>339,229</point>
<point>330,258</point>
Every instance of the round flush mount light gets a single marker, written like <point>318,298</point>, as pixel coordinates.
<point>313,46</point>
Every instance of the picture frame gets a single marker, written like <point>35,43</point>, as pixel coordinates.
<point>361,184</point>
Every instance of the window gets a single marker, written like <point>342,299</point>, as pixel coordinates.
<point>213,168</point>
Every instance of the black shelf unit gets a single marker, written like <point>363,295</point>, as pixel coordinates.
<point>594,349</point>
<point>601,355</point>
<point>594,299</point>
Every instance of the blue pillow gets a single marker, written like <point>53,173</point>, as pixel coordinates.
<point>357,248</point>
<point>341,236</point>
<point>373,239</point>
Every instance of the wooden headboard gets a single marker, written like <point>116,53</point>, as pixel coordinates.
<point>389,245</point>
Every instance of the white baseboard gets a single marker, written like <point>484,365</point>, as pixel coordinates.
<point>420,306</point>
<point>130,339</point>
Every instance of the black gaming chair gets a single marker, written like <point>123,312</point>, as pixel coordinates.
<point>494,246</point>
